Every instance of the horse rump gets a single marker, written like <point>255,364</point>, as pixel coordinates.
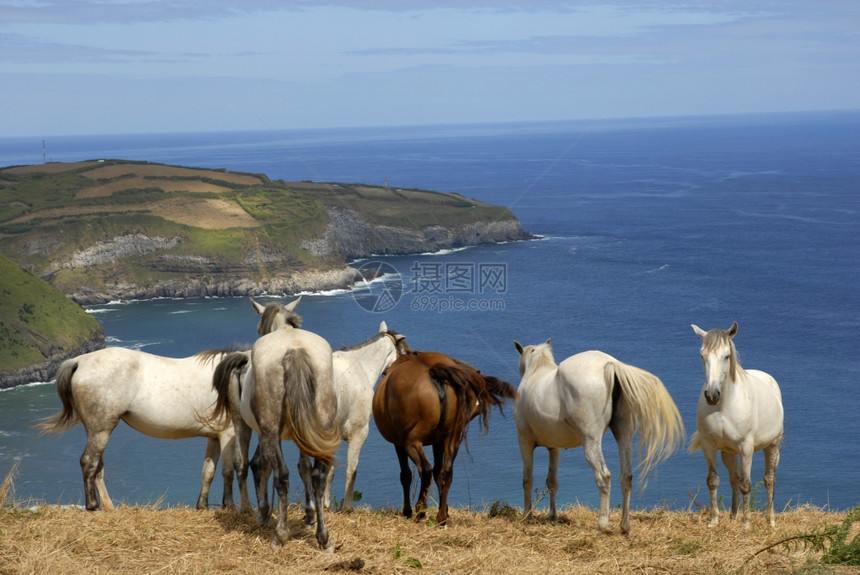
<point>313,437</point>
<point>486,389</point>
<point>231,365</point>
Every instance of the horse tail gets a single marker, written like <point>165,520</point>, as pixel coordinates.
<point>488,391</point>
<point>300,413</point>
<point>67,417</point>
<point>655,416</point>
<point>231,365</point>
<point>695,444</point>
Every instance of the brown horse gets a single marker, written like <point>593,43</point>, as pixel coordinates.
<point>428,398</point>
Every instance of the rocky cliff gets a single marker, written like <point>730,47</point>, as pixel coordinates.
<point>350,233</point>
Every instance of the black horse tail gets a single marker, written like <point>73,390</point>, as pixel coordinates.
<point>67,417</point>
<point>226,369</point>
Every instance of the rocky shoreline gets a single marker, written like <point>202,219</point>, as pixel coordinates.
<point>47,369</point>
<point>301,281</point>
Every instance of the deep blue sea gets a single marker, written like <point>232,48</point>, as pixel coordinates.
<point>647,226</point>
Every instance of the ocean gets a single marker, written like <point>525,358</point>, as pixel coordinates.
<point>645,227</point>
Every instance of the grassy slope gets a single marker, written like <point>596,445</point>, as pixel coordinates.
<point>35,319</point>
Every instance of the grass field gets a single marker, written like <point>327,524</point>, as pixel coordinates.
<point>149,539</point>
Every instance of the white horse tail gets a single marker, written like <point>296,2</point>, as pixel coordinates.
<point>695,444</point>
<point>67,417</point>
<point>312,437</point>
<point>655,416</point>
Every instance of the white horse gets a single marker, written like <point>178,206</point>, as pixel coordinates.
<point>356,370</point>
<point>572,404</point>
<point>163,397</point>
<point>739,412</point>
<point>287,391</point>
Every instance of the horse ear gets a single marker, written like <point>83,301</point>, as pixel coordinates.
<point>383,327</point>
<point>259,308</point>
<point>292,305</point>
<point>733,330</point>
<point>518,347</point>
<point>548,340</point>
<point>699,331</point>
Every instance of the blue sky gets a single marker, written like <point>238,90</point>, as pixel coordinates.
<point>134,66</point>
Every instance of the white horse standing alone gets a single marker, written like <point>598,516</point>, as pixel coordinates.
<point>572,404</point>
<point>739,412</point>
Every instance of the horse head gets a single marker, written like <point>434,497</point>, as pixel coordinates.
<point>533,355</point>
<point>275,315</point>
<point>719,360</point>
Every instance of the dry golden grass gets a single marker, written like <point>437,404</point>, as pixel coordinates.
<point>207,213</point>
<point>112,170</point>
<point>183,540</point>
<point>51,168</point>
<point>193,186</point>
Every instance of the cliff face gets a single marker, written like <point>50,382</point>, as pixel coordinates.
<point>350,233</point>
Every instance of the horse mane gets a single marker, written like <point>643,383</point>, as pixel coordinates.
<point>542,357</point>
<point>271,312</point>
<point>368,341</point>
<point>212,355</point>
<point>717,338</point>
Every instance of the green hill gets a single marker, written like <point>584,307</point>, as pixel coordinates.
<point>108,229</point>
<point>39,327</point>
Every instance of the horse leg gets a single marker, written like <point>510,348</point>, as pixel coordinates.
<point>101,488</point>
<point>305,472</point>
<point>92,467</point>
<point>270,447</point>
<point>228,458</point>
<point>415,452</point>
<point>623,429</point>
<point>746,456</point>
<point>594,456</point>
<point>443,472</point>
<point>771,462</point>
<point>730,460</point>
<point>405,479</point>
<point>242,446</point>
<point>552,481</point>
<point>356,442</point>
<point>713,484</point>
<point>319,478</point>
<point>261,470</point>
<point>527,448</point>
<point>210,462</point>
